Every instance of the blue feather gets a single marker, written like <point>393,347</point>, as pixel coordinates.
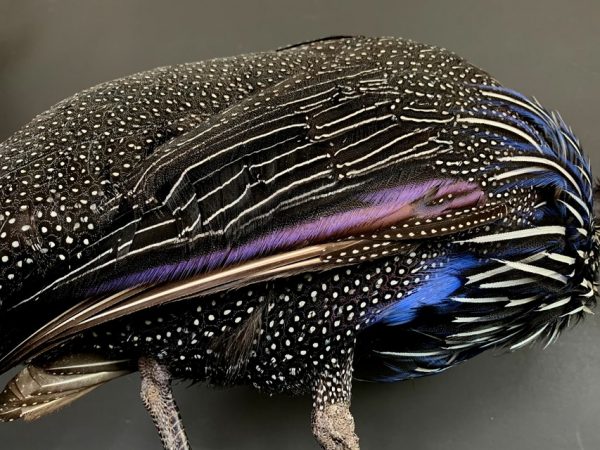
<point>435,292</point>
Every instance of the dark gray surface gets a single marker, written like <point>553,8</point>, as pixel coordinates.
<point>531,400</point>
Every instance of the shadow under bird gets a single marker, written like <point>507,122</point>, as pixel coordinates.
<point>369,208</point>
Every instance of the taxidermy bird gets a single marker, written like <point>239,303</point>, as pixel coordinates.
<point>354,207</point>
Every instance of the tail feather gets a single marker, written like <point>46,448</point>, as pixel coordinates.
<point>40,389</point>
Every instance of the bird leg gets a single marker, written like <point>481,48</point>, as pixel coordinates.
<point>333,427</point>
<point>158,399</point>
<point>332,421</point>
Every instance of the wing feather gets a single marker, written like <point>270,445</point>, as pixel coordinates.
<point>278,184</point>
<point>370,244</point>
<point>243,183</point>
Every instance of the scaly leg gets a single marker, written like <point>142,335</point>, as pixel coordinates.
<point>158,398</point>
<point>332,421</point>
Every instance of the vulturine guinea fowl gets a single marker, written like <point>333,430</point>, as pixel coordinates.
<point>353,207</point>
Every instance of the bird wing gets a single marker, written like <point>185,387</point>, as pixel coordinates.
<point>303,176</point>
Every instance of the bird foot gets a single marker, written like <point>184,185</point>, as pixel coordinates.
<point>158,398</point>
<point>333,427</point>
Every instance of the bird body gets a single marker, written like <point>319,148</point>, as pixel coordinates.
<point>351,207</point>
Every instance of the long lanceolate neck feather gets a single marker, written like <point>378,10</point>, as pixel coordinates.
<point>517,281</point>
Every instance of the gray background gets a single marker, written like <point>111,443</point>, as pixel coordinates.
<point>530,400</point>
